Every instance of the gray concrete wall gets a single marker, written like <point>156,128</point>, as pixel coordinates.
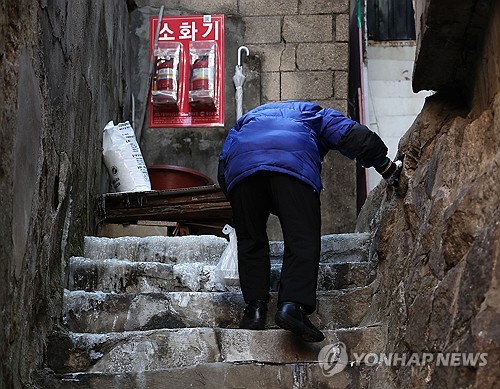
<point>64,73</point>
<point>299,50</point>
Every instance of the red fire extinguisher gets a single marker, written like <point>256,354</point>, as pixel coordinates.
<point>202,74</point>
<point>165,74</point>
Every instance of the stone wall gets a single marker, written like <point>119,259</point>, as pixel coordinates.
<point>63,75</point>
<point>438,237</point>
<point>299,50</point>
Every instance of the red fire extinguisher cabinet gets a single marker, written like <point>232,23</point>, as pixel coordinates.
<point>188,82</point>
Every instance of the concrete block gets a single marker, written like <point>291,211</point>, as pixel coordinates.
<point>271,86</point>
<point>270,55</point>
<point>341,84</point>
<point>209,6</point>
<point>252,69</point>
<point>306,85</point>
<point>307,28</point>
<point>268,8</point>
<point>340,105</point>
<point>342,28</point>
<point>275,57</point>
<point>323,56</point>
<point>262,29</point>
<point>194,6</point>
<point>324,6</point>
<point>289,58</point>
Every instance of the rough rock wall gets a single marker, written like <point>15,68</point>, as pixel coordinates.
<point>438,238</point>
<point>63,75</point>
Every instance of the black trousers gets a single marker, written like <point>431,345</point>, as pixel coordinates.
<point>297,206</point>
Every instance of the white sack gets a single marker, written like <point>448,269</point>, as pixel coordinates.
<point>123,159</point>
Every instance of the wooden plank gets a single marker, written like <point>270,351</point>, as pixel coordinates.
<point>156,223</point>
<point>205,211</point>
<point>133,199</point>
<point>204,205</point>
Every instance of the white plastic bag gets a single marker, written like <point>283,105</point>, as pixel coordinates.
<point>227,268</point>
<point>123,159</point>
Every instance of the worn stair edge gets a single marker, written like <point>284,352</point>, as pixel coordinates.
<point>165,249</point>
<point>96,312</point>
<point>224,375</point>
<point>138,351</point>
<point>353,247</point>
<point>123,276</point>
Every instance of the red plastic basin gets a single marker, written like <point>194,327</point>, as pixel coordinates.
<point>165,177</point>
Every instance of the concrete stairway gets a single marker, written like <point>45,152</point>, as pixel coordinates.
<point>149,313</point>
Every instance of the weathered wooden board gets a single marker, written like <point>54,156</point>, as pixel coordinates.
<point>202,205</point>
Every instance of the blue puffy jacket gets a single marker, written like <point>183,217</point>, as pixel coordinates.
<point>290,137</point>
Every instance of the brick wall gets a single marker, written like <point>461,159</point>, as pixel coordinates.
<point>303,47</point>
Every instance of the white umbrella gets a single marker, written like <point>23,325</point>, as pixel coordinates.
<point>239,80</point>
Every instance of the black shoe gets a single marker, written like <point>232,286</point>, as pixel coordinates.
<point>254,317</point>
<point>291,317</point>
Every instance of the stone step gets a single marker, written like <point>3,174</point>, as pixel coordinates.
<point>141,351</point>
<point>123,276</point>
<point>96,312</point>
<point>225,375</point>
<point>164,249</point>
<point>352,247</point>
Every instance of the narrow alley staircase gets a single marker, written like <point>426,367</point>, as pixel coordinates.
<point>147,313</point>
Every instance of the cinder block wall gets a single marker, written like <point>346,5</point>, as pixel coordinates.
<point>299,50</point>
